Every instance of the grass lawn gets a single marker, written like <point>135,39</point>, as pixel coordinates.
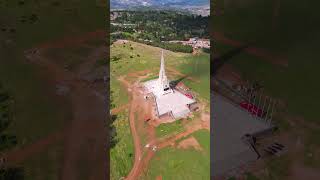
<point>250,176</point>
<point>35,104</point>
<point>37,110</point>
<point>135,56</point>
<point>203,137</point>
<point>198,67</point>
<point>119,93</point>
<point>296,38</point>
<point>139,57</point>
<point>37,166</point>
<point>278,168</point>
<point>168,129</point>
<point>172,163</point>
<point>122,155</point>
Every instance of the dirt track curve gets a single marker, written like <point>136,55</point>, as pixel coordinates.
<point>85,136</point>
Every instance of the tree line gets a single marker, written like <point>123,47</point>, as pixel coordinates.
<point>157,26</point>
<point>175,47</point>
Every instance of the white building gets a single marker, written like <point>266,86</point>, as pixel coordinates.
<point>168,100</point>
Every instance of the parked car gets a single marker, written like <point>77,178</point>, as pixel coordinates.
<point>253,109</point>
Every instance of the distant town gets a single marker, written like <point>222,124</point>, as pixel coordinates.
<point>171,30</point>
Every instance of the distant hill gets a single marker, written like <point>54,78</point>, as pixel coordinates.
<point>127,4</point>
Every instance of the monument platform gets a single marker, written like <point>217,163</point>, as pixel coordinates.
<point>175,103</point>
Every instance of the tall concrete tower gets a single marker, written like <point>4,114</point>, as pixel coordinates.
<point>163,83</point>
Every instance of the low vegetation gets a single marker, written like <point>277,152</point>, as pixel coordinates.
<point>25,25</point>
<point>167,129</point>
<point>161,25</point>
<point>7,140</point>
<point>173,163</point>
<point>122,151</point>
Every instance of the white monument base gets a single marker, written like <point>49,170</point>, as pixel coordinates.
<point>174,103</point>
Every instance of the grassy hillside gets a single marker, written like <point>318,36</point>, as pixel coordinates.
<point>38,111</point>
<point>133,57</point>
<point>294,36</point>
<point>188,164</point>
<point>286,29</point>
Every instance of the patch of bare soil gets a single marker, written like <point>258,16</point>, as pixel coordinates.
<point>159,177</point>
<point>190,142</point>
<point>119,109</point>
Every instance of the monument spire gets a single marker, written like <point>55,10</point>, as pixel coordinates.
<point>163,83</point>
<point>162,73</point>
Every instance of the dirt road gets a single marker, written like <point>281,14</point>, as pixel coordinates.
<point>85,153</point>
<point>136,140</point>
<point>17,156</point>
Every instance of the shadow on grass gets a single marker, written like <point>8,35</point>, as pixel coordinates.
<point>174,83</point>
<point>113,132</point>
<point>218,62</point>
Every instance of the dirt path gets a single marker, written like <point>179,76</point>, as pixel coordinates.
<point>85,154</point>
<point>170,141</point>
<point>119,109</point>
<point>68,41</point>
<point>255,51</point>
<point>190,143</point>
<point>136,140</point>
<point>17,156</point>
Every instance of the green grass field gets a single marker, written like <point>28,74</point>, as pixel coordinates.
<point>119,93</point>
<point>168,129</point>
<point>122,155</point>
<point>38,112</point>
<point>296,38</point>
<point>197,67</point>
<point>172,163</point>
<point>132,57</point>
<point>140,57</point>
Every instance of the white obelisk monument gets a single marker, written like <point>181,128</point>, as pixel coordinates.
<point>163,83</point>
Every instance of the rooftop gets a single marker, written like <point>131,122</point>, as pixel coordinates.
<point>230,123</point>
<point>175,102</point>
